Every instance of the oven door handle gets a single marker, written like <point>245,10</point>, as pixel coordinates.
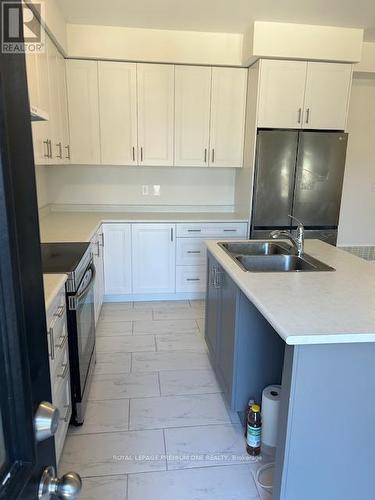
<point>87,288</point>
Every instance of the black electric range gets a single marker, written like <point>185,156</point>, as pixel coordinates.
<point>75,260</point>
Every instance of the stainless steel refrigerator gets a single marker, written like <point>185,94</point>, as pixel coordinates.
<point>298,173</point>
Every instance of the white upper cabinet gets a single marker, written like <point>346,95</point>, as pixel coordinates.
<point>63,110</point>
<point>327,95</point>
<point>117,259</point>
<point>82,82</point>
<point>281,94</point>
<point>153,258</point>
<point>307,95</point>
<point>118,112</point>
<point>54,99</point>
<point>192,115</point>
<point>155,83</point>
<point>228,103</point>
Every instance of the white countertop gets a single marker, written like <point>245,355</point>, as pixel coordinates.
<point>81,226</point>
<point>312,307</point>
<point>52,285</point>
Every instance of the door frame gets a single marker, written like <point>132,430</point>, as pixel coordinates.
<point>23,330</point>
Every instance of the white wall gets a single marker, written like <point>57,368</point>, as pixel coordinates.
<point>357,218</point>
<point>41,185</point>
<point>118,185</point>
<point>147,45</point>
<point>54,21</point>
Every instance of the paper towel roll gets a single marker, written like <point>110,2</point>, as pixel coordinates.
<point>270,414</point>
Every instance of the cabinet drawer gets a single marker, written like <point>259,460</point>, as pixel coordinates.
<point>212,230</point>
<point>61,370</point>
<point>190,278</point>
<point>57,336</point>
<point>62,401</point>
<point>191,251</point>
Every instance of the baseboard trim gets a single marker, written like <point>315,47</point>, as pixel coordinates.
<point>154,296</point>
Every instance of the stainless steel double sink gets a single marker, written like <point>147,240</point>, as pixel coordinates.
<point>271,257</point>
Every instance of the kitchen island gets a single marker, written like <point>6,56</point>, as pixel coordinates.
<point>313,332</point>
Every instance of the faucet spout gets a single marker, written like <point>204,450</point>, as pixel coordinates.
<point>297,241</point>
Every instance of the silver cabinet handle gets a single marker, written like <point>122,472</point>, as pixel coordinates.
<point>63,341</point>
<point>65,417</point>
<point>172,234</point>
<point>102,238</point>
<point>51,342</point>
<point>60,311</point>
<point>230,230</point>
<point>299,115</point>
<point>307,115</point>
<point>98,248</point>
<point>194,230</point>
<point>67,147</point>
<point>205,155</point>
<point>141,153</point>
<point>217,283</point>
<point>213,155</point>
<point>133,153</point>
<point>49,149</point>
<point>59,146</point>
<point>65,370</point>
<point>194,251</point>
<point>193,279</point>
<point>213,275</point>
<point>46,149</point>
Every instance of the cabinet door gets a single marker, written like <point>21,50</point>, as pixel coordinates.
<point>212,307</point>
<point>228,104</point>
<point>117,259</point>
<point>42,129</point>
<point>154,258</point>
<point>82,83</point>
<point>192,115</point>
<point>155,113</point>
<point>55,118</point>
<point>281,94</point>
<point>98,257</point>
<point>63,107</point>
<point>327,95</point>
<point>118,112</point>
<point>225,355</point>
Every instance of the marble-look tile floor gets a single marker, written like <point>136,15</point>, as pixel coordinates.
<point>157,426</point>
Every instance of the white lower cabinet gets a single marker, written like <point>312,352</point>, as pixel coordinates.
<point>191,279</point>
<point>98,257</point>
<point>58,350</point>
<point>153,258</point>
<point>191,251</point>
<point>117,259</point>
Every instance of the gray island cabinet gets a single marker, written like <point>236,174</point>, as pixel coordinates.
<point>326,438</point>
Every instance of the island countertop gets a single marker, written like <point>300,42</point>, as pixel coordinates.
<point>312,307</point>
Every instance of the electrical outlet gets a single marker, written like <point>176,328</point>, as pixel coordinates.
<point>156,189</point>
<point>144,189</point>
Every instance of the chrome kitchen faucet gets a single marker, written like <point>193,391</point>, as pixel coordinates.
<point>297,240</point>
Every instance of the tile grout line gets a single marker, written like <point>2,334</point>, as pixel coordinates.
<point>165,450</point>
<point>159,429</point>
<point>159,383</point>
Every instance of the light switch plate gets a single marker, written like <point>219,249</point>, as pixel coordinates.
<point>145,189</point>
<point>156,189</point>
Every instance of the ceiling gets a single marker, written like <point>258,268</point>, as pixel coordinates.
<point>231,16</point>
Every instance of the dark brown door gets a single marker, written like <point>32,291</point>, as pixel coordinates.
<point>24,363</point>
